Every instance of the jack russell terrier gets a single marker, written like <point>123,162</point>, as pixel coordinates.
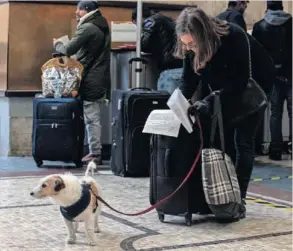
<point>78,201</point>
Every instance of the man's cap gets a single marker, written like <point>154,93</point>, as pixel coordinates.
<point>275,5</point>
<point>88,5</point>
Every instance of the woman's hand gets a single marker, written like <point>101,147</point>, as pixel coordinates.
<point>202,106</point>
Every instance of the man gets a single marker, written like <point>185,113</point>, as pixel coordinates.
<point>159,39</point>
<point>274,31</point>
<point>91,45</point>
<point>234,13</point>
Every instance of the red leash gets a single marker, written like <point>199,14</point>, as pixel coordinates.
<point>172,194</point>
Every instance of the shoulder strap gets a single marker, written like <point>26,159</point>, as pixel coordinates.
<point>217,120</point>
<point>249,54</point>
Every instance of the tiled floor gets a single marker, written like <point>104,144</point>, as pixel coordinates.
<point>27,224</point>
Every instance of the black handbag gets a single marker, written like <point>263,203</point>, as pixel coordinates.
<point>254,99</point>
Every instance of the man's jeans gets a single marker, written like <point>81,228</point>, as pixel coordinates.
<point>169,80</point>
<point>92,120</point>
<point>281,92</point>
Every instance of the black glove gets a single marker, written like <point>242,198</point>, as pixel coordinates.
<point>202,107</point>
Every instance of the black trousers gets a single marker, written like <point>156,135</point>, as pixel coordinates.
<point>240,146</point>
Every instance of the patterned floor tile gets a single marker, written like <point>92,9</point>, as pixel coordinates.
<point>27,224</point>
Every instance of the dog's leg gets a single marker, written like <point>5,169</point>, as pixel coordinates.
<point>75,224</point>
<point>90,230</point>
<point>71,238</point>
<point>97,216</point>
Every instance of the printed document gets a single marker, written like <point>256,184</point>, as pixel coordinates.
<point>63,39</point>
<point>162,122</point>
<point>179,105</point>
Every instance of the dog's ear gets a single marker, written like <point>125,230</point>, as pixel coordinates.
<point>59,184</point>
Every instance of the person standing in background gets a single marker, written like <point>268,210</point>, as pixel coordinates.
<point>159,39</point>
<point>274,32</point>
<point>91,44</point>
<point>234,13</point>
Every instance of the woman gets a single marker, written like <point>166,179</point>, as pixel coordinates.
<point>216,58</point>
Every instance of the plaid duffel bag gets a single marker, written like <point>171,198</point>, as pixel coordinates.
<point>220,183</point>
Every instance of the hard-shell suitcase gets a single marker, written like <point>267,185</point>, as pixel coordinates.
<point>58,130</point>
<point>171,160</point>
<point>130,146</point>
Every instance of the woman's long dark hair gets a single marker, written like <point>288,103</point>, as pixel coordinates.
<point>205,31</point>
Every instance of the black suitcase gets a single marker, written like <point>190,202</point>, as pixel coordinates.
<point>171,160</point>
<point>58,130</point>
<point>130,146</point>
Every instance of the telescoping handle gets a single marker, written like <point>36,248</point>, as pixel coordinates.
<point>139,70</point>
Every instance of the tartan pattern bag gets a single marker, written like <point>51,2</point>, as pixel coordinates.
<point>220,183</point>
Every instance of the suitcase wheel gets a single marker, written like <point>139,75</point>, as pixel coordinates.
<point>39,163</point>
<point>161,217</point>
<point>188,219</point>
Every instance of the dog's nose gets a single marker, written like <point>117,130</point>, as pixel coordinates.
<point>32,194</point>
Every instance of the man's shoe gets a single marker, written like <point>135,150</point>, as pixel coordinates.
<point>93,157</point>
<point>289,149</point>
<point>275,151</point>
<point>275,155</point>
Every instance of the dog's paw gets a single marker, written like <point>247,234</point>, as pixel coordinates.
<point>70,240</point>
<point>97,230</point>
<point>92,243</point>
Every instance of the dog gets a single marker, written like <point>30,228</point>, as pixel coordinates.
<point>78,201</point>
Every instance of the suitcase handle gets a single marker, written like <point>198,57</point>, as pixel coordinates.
<point>143,60</point>
<point>140,88</point>
<point>139,70</point>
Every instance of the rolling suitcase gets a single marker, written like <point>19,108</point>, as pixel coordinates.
<point>130,110</point>
<point>58,130</point>
<point>171,160</point>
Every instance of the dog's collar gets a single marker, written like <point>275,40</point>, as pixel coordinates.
<point>69,213</point>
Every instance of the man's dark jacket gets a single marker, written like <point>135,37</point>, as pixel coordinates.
<point>159,39</point>
<point>91,44</point>
<point>274,32</point>
<point>234,17</point>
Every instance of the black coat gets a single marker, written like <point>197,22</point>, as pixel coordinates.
<point>228,71</point>
<point>159,39</point>
<point>277,40</point>
<point>91,44</point>
<point>234,17</point>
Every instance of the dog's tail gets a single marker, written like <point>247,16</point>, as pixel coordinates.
<point>91,167</point>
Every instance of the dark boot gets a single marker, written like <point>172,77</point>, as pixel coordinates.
<point>275,151</point>
<point>289,149</point>
<point>243,209</point>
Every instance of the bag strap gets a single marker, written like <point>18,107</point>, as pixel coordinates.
<point>217,120</point>
<point>249,55</point>
<point>217,117</point>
